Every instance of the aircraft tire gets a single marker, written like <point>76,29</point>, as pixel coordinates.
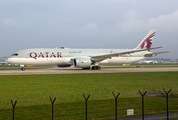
<point>93,68</point>
<point>96,67</point>
<point>23,69</point>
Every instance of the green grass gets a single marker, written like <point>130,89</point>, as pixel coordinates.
<point>32,94</point>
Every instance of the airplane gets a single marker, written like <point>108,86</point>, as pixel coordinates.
<point>85,58</point>
<point>148,61</point>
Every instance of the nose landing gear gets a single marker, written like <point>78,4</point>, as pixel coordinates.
<point>22,67</point>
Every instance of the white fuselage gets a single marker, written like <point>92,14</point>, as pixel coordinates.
<point>64,56</point>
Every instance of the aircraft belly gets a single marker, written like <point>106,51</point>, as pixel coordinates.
<point>40,61</point>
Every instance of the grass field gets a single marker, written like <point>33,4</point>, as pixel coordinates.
<point>32,94</point>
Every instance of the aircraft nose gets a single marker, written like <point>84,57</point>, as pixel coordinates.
<point>9,60</point>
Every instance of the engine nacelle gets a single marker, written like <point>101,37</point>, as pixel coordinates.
<point>63,65</point>
<point>82,62</point>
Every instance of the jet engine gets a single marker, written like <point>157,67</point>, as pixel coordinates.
<point>82,62</point>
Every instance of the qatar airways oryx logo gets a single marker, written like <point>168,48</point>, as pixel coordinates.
<point>148,41</point>
<point>45,55</point>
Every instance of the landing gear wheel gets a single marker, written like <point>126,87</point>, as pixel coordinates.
<point>96,67</point>
<point>93,67</point>
<point>23,69</point>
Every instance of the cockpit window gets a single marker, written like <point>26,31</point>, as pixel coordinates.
<point>15,54</point>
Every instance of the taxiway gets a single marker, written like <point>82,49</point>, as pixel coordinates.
<point>72,70</point>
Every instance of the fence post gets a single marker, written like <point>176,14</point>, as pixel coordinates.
<point>13,105</point>
<point>52,102</point>
<point>142,103</point>
<point>86,99</point>
<point>167,102</point>
<point>116,103</point>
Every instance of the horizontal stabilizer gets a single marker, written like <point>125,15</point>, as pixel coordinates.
<point>156,53</point>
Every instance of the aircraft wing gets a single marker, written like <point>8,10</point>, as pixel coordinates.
<point>98,58</point>
<point>151,54</point>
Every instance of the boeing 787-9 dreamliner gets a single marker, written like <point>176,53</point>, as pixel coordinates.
<point>85,58</point>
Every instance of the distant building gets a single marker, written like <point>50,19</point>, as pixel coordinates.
<point>174,61</point>
<point>3,63</point>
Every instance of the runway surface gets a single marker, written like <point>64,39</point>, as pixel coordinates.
<point>72,70</point>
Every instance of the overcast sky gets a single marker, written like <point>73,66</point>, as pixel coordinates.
<point>87,24</point>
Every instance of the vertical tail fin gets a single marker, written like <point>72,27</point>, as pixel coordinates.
<point>147,41</point>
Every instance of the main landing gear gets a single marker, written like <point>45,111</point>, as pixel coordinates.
<point>93,68</point>
<point>96,67</point>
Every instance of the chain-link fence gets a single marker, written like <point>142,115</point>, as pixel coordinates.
<point>96,106</point>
